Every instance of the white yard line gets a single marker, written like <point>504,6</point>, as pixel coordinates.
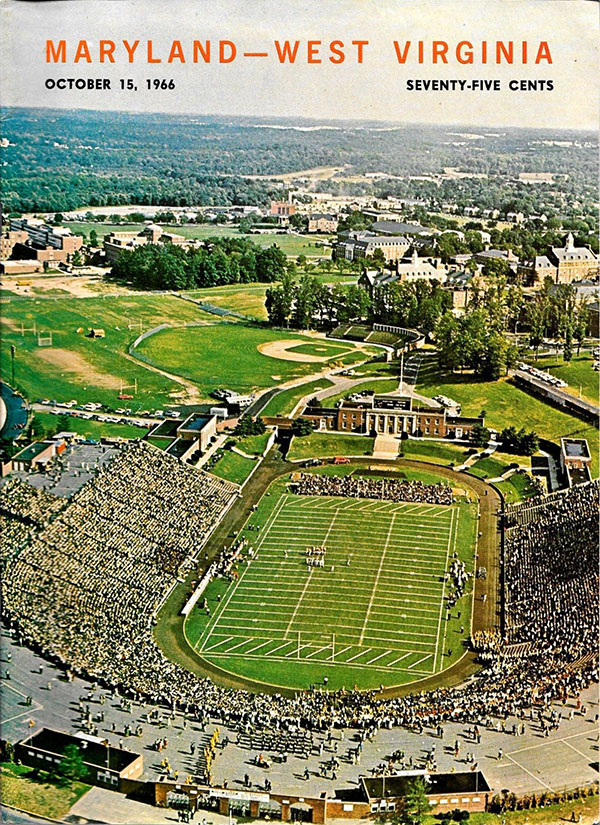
<point>391,664</point>
<point>297,650</point>
<point>410,667</point>
<point>362,652</point>
<point>275,649</point>
<point>258,647</point>
<point>314,653</point>
<point>437,643</point>
<point>308,579</point>
<point>381,655</point>
<point>532,775</point>
<point>362,635</point>
<point>276,509</point>
<point>218,644</point>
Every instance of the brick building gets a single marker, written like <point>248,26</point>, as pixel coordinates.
<point>390,415</point>
<point>563,264</point>
<point>106,765</point>
<point>117,242</point>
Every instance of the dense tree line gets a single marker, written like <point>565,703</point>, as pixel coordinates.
<point>217,262</point>
<point>307,302</point>
<point>59,160</point>
<point>556,314</point>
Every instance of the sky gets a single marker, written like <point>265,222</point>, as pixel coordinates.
<point>375,89</point>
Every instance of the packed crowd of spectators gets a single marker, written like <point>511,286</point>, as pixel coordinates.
<point>551,559</point>
<point>100,569</point>
<point>22,502</point>
<point>86,590</point>
<point>313,484</point>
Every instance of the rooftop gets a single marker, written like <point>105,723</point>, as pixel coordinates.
<point>575,447</point>
<point>195,422</point>
<point>92,752</point>
<point>439,783</point>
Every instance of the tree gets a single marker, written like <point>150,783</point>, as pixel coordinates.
<point>378,259</point>
<point>250,426</point>
<point>301,427</point>
<point>76,258</point>
<point>417,801</point>
<point>93,237</point>
<point>72,765</point>
<point>480,435</point>
<point>581,325</point>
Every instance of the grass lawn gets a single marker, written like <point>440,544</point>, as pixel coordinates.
<point>82,368</point>
<point>233,467</point>
<point>383,368</point>
<point>226,355</point>
<point>341,620</point>
<point>434,452</point>
<point>488,467</point>
<point>292,245</point>
<point>91,429</point>
<point>517,487</point>
<point>383,385</point>
<point>329,444</point>
<point>249,299</point>
<point>560,812</point>
<point>38,795</point>
<point>579,373</point>
<point>321,349</point>
<point>254,444</point>
<point>284,402</point>
<point>506,404</point>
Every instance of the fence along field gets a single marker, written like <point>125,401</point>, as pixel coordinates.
<point>374,614</point>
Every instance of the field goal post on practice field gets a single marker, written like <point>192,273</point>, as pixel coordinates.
<point>323,641</point>
<point>25,329</point>
<point>123,386</point>
<point>44,339</point>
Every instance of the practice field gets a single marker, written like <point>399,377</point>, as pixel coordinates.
<point>374,614</point>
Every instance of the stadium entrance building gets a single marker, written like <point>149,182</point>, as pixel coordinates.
<point>467,790</point>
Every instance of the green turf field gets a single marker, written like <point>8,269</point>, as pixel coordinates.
<point>578,373</point>
<point>227,355</point>
<point>291,244</point>
<point>321,350</point>
<point>378,385</point>
<point>374,614</point>
<point>284,402</point>
<point>233,467</point>
<point>82,368</point>
<point>327,444</point>
<point>506,404</point>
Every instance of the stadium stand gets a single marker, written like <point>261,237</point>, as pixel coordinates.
<point>86,587</point>
<point>310,484</point>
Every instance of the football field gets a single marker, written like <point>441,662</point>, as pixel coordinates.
<point>375,610</point>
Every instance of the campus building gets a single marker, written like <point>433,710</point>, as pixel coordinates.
<point>30,245</point>
<point>413,269</point>
<point>563,264</point>
<point>373,799</point>
<point>575,460</point>
<point>182,439</point>
<point>115,243</point>
<point>390,415</point>
<point>322,222</point>
<point>358,245</point>
<point>107,766</point>
<point>41,236</point>
<point>35,456</point>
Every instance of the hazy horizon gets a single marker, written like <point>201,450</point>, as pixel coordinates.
<point>322,122</point>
